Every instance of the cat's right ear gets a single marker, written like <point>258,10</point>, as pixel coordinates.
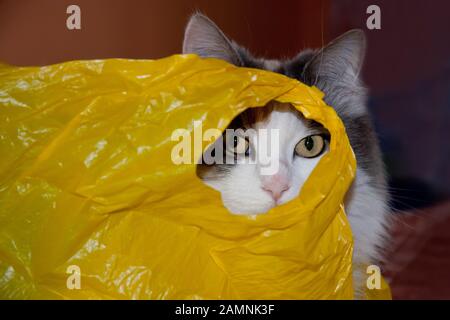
<point>204,38</point>
<point>340,60</point>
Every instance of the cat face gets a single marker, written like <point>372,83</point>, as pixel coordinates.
<point>334,69</point>
<point>245,187</point>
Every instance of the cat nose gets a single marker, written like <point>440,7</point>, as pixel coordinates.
<point>276,186</point>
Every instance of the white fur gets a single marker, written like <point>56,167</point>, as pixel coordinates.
<point>367,212</point>
<point>271,65</point>
<point>242,189</point>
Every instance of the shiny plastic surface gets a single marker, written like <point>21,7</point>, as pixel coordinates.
<point>87,180</point>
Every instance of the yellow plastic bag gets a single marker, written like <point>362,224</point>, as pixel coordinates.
<point>88,188</point>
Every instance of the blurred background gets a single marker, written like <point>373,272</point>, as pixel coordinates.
<point>407,70</point>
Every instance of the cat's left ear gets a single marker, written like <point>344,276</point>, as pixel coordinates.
<point>341,60</point>
<point>204,38</point>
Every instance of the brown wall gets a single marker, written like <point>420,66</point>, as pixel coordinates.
<point>33,32</point>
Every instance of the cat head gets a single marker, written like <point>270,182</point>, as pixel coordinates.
<point>334,69</point>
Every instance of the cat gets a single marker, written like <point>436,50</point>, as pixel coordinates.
<point>334,69</point>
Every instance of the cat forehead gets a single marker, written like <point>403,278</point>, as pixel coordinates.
<point>289,123</point>
<point>277,116</point>
<point>271,65</point>
<point>281,119</point>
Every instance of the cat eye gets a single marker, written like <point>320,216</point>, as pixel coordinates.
<point>310,147</point>
<point>240,146</point>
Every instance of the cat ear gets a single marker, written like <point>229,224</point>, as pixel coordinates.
<point>341,60</point>
<point>204,38</point>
